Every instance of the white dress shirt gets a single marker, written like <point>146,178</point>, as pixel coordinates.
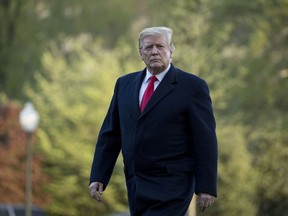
<point>145,82</point>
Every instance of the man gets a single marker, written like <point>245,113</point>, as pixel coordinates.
<point>168,142</point>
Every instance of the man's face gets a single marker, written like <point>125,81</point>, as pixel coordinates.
<point>156,53</point>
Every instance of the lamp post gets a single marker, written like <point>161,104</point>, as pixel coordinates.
<point>29,119</point>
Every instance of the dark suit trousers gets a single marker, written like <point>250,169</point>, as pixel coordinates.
<point>162,195</point>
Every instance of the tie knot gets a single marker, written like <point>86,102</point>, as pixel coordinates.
<point>153,79</point>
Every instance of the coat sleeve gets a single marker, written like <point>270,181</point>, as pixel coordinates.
<point>204,138</point>
<point>108,145</point>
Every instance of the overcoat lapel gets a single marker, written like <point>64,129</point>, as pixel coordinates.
<point>133,95</point>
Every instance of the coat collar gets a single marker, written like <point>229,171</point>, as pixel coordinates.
<point>164,88</point>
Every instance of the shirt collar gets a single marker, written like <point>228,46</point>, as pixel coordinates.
<point>159,76</point>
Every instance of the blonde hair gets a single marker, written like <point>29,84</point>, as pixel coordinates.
<point>154,31</point>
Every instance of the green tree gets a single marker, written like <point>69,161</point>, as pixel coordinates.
<point>28,27</point>
<point>73,96</point>
<point>19,45</point>
<point>237,181</point>
<point>260,27</point>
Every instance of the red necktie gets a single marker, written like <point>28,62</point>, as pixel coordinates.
<point>148,92</point>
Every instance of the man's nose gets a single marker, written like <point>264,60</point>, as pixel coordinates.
<point>154,50</point>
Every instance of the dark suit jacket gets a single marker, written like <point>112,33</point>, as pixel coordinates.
<point>169,150</point>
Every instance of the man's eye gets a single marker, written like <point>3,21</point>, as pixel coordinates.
<point>147,48</point>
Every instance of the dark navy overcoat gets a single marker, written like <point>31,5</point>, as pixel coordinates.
<point>169,150</point>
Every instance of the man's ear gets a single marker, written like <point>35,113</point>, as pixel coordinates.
<point>140,53</point>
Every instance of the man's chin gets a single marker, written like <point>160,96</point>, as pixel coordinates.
<point>156,65</point>
<point>155,69</point>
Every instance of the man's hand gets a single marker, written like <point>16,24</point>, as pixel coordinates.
<point>96,190</point>
<point>204,201</point>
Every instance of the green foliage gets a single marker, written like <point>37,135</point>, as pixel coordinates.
<point>271,143</point>
<point>73,92</point>
<point>237,179</point>
<point>27,28</point>
<point>19,46</point>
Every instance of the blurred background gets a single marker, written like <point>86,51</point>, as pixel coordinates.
<point>65,55</point>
